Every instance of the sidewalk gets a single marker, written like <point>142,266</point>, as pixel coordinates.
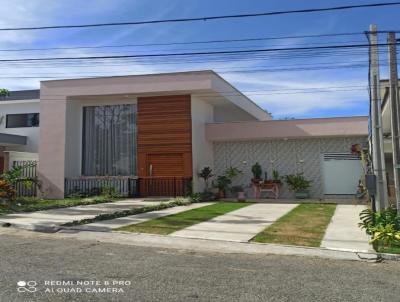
<point>50,220</point>
<point>343,232</point>
<point>240,225</point>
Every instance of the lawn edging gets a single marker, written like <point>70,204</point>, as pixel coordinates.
<point>134,211</point>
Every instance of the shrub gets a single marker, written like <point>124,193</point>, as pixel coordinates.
<point>256,170</point>
<point>297,182</point>
<point>383,226</point>
<point>7,191</point>
<point>206,174</point>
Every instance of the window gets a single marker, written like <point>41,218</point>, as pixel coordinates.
<point>22,120</point>
<point>109,140</point>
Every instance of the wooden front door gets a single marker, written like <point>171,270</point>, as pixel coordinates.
<point>165,164</point>
<point>164,144</point>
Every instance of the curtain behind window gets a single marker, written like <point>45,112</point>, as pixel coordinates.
<point>109,140</point>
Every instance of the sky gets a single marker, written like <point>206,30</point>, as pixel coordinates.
<point>299,85</point>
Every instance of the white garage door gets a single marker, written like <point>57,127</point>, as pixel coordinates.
<point>342,172</point>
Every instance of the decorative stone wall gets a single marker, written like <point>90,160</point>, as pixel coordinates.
<point>286,156</point>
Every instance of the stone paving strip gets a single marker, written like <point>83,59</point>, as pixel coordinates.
<point>239,225</point>
<point>109,225</point>
<point>49,220</point>
<point>343,232</point>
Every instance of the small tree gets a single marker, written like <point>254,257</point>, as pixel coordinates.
<point>206,174</point>
<point>4,92</point>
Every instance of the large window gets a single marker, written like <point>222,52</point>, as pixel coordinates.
<point>109,140</point>
<point>22,120</point>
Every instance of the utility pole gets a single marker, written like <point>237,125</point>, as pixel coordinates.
<point>395,112</point>
<point>378,159</point>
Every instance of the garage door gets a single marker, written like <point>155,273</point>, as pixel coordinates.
<point>342,172</point>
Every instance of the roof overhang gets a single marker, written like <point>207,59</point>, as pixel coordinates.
<point>205,82</point>
<point>288,129</point>
<point>12,140</point>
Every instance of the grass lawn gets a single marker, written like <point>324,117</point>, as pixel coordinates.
<point>389,250</point>
<point>34,204</point>
<point>172,223</point>
<point>305,225</point>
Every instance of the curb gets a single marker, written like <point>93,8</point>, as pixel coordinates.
<point>44,228</point>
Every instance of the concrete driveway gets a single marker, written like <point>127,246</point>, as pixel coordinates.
<point>52,219</point>
<point>240,225</point>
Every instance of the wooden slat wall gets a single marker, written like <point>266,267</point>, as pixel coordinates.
<point>164,127</point>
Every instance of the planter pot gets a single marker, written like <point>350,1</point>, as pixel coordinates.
<point>241,196</point>
<point>302,194</point>
<point>221,194</point>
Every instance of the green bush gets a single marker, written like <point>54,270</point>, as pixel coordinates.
<point>297,182</point>
<point>383,226</point>
<point>256,170</point>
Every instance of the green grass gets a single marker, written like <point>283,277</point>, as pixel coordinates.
<point>172,223</point>
<point>34,204</point>
<point>389,250</point>
<point>305,225</point>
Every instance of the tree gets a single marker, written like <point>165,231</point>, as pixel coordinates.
<point>4,92</point>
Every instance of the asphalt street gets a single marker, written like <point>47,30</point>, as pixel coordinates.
<point>54,269</point>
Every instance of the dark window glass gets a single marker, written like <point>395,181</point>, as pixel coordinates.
<point>22,120</point>
<point>109,140</point>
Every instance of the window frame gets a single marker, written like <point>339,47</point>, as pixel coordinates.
<point>27,119</point>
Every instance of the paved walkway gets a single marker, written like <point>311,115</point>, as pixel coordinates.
<point>52,219</point>
<point>240,225</point>
<point>109,225</point>
<point>343,232</point>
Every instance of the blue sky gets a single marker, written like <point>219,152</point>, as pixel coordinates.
<point>284,92</point>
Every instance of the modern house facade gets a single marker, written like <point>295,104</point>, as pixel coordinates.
<point>162,129</point>
<point>19,127</point>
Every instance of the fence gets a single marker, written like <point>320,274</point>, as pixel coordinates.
<point>23,187</point>
<point>165,186</point>
<point>123,185</point>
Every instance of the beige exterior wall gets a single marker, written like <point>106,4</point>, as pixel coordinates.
<point>296,128</point>
<point>202,113</point>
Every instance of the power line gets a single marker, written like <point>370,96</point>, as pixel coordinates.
<point>209,18</point>
<point>187,43</point>
<point>250,51</point>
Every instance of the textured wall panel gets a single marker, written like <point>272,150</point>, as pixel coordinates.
<point>287,157</point>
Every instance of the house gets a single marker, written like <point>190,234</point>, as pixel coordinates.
<point>153,133</point>
<point>19,127</point>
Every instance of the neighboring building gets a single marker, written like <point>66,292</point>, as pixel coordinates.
<point>19,126</point>
<point>163,128</point>
<point>387,135</point>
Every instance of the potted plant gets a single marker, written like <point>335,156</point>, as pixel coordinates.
<point>206,174</point>
<point>276,178</point>
<point>222,183</point>
<point>257,172</point>
<point>299,185</point>
<point>239,190</point>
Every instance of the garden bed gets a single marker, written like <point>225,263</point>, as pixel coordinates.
<point>305,225</point>
<point>29,204</point>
